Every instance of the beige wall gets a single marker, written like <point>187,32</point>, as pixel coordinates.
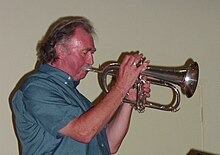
<point>167,32</point>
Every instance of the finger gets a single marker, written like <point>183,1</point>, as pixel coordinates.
<point>125,60</point>
<point>144,66</point>
<point>137,59</point>
<point>147,62</point>
<point>143,78</point>
<point>146,85</point>
<point>147,90</point>
<point>128,60</point>
<point>131,95</point>
<point>147,95</point>
<point>141,68</point>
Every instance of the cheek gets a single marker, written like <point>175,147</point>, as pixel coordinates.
<point>80,62</point>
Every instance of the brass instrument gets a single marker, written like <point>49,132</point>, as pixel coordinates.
<point>186,78</point>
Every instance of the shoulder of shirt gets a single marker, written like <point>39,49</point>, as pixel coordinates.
<point>36,79</point>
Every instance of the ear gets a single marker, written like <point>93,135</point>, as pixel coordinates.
<point>60,50</point>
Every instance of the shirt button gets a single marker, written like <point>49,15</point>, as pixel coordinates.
<point>69,78</point>
<point>102,145</point>
<point>65,83</point>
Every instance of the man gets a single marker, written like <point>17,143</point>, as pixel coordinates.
<point>53,117</point>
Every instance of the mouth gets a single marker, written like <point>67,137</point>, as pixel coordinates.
<point>88,68</point>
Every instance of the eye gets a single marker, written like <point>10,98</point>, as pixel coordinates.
<point>87,50</point>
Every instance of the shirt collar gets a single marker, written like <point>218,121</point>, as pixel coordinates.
<point>59,74</point>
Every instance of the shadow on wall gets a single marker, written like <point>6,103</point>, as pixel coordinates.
<point>19,83</point>
<point>198,152</point>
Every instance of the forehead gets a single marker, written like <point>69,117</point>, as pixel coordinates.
<point>81,36</point>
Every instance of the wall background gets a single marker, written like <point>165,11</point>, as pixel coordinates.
<point>166,32</point>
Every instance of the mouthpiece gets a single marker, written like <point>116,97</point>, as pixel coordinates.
<point>93,69</point>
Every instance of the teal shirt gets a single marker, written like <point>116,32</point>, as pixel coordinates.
<point>47,101</point>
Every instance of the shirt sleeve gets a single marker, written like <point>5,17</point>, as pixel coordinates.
<point>50,105</point>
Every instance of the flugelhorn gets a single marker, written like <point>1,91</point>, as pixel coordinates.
<point>185,77</point>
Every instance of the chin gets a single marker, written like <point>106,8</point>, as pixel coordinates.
<point>80,77</point>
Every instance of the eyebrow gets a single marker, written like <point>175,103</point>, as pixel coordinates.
<point>91,49</point>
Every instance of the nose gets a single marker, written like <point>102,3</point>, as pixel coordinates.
<point>90,60</point>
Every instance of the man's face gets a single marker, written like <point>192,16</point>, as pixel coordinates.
<point>79,50</point>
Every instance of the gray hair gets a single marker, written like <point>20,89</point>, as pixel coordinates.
<point>59,32</point>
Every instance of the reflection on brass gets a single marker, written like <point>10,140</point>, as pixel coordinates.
<point>185,77</point>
